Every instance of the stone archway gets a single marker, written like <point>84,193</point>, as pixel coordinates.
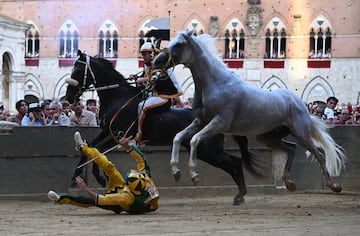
<point>318,89</point>
<point>273,83</point>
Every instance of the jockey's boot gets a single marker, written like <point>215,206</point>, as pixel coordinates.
<point>79,142</point>
<point>53,196</point>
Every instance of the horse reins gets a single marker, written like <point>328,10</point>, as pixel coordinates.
<point>129,101</point>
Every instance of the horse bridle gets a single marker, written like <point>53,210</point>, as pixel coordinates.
<point>83,88</point>
<point>87,66</point>
<point>169,63</point>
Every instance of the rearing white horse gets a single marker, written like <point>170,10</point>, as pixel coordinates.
<point>226,104</point>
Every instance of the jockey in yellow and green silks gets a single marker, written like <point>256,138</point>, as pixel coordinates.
<point>138,195</point>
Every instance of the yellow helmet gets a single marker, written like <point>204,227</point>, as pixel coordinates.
<point>147,47</point>
<point>135,181</point>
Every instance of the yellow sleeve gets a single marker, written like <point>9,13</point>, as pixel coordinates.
<point>123,199</point>
<point>142,165</point>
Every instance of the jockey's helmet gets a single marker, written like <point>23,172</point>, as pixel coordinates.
<point>147,47</point>
<point>135,181</point>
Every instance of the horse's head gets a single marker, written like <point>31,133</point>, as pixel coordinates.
<point>177,52</point>
<point>82,77</point>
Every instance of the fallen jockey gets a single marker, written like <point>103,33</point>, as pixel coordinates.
<point>137,194</point>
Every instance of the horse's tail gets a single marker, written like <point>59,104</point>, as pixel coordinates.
<point>334,154</point>
<point>248,158</point>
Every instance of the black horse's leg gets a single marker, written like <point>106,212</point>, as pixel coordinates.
<point>282,148</point>
<point>248,160</point>
<point>79,171</point>
<point>247,157</point>
<point>212,151</point>
<point>290,147</point>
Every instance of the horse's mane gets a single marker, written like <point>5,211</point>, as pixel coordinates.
<point>106,64</point>
<point>208,44</point>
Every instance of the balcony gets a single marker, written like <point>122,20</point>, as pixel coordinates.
<point>234,63</point>
<point>274,64</point>
<point>65,62</point>
<point>141,63</point>
<point>32,61</point>
<point>319,63</point>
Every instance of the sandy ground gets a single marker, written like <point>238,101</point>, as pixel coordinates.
<point>305,213</point>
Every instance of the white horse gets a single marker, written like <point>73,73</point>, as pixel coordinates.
<point>226,104</point>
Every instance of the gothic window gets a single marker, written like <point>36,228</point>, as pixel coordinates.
<point>275,44</point>
<point>68,40</point>
<point>32,41</point>
<point>234,40</point>
<point>320,38</point>
<point>108,40</point>
<point>275,39</point>
<point>196,26</point>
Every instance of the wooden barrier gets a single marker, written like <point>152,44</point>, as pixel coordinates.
<point>34,160</point>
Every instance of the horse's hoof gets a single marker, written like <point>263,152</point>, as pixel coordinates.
<point>195,179</point>
<point>281,189</point>
<point>238,200</point>
<point>177,175</point>
<point>290,186</point>
<point>335,187</point>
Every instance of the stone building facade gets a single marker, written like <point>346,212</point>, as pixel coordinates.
<point>268,43</point>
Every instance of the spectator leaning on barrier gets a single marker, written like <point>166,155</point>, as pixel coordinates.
<point>91,105</point>
<point>58,118</point>
<point>331,103</point>
<point>344,118</point>
<point>35,117</point>
<point>81,116</point>
<point>22,109</point>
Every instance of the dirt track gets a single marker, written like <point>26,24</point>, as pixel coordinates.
<point>290,214</point>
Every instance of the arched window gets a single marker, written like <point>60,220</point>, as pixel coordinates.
<point>108,40</point>
<point>275,39</point>
<point>69,40</point>
<point>32,41</point>
<point>275,47</point>
<point>196,26</point>
<point>234,41</point>
<point>108,44</point>
<point>320,38</point>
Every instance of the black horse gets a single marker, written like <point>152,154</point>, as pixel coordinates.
<point>118,112</point>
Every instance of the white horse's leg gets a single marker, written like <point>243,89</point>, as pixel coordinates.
<point>279,159</point>
<point>212,128</point>
<point>178,139</point>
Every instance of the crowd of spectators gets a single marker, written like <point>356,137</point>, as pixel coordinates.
<point>61,113</point>
<point>334,113</point>
<point>51,113</point>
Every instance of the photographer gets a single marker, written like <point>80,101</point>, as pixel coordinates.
<point>35,117</point>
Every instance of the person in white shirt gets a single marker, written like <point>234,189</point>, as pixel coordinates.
<point>331,103</point>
